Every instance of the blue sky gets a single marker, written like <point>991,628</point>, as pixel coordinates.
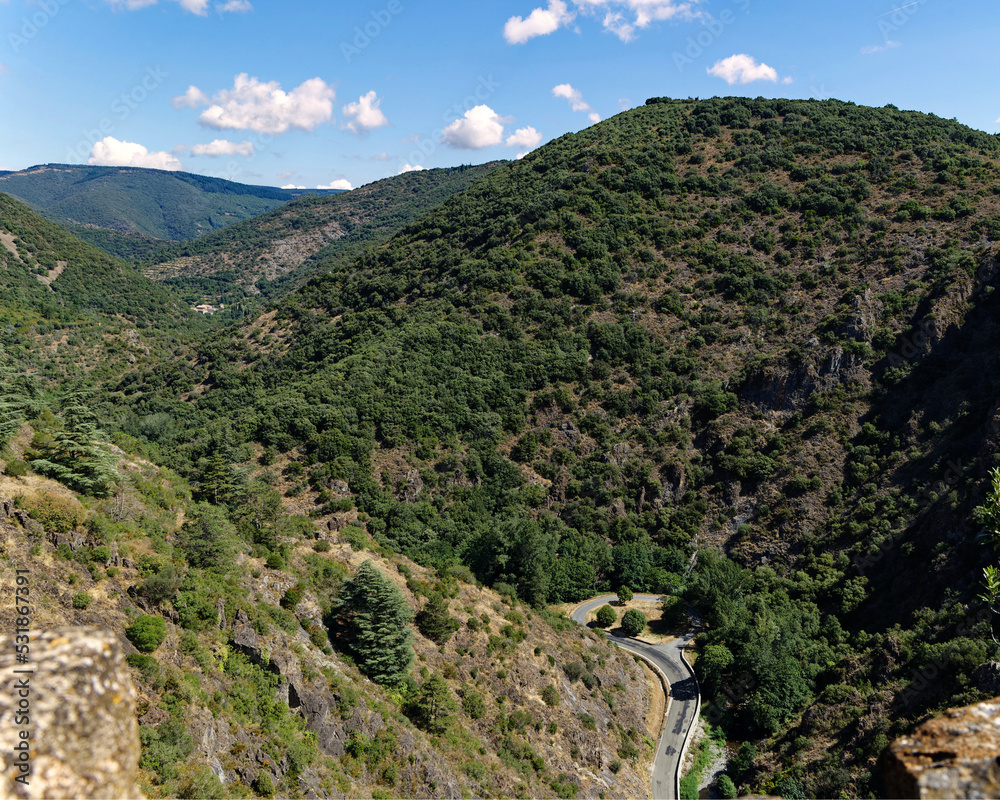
<point>343,93</point>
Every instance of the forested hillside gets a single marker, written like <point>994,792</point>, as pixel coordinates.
<point>131,211</point>
<point>725,326</point>
<point>274,253</point>
<point>68,310</point>
<point>751,335</point>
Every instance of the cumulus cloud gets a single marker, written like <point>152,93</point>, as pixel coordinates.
<point>222,147</point>
<point>880,48</point>
<point>292,186</point>
<point>383,156</point>
<point>620,17</point>
<point>364,115</point>
<point>262,107</point>
<point>234,6</point>
<point>742,69</point>
<point>338,184</point>
<point>110,152</point>
<point>410,168</point>
<point>540,22</point>
<point>480,127</point>
<point>192,98</point>
<point>527,138</point>
<point>575,99</point>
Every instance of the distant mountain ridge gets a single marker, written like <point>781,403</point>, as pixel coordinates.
<point>129,211</point>
<point>275,252</point>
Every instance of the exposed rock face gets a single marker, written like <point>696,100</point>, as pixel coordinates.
<point>84,740</point>
<point>951,756</point>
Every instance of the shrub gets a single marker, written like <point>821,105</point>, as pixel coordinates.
<point>624,595</point>
<point>55,513</point>
<point>274,561</point>
<point>263,784</point>
<point>147,633</point>
<point>16,468</point>
<point>355,537</point>
<point>634,622</point>
<point>573,670</point>
<point>550,695</point>
<point>726,787</point>
<point>321,546</point>
<point>148,666</point>
<point>606,616</point>
<point>474,705</point>
<point>81,600</point>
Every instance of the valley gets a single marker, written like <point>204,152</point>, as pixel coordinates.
<point>733,353</point>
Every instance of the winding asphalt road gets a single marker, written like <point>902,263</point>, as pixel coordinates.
<point>682,705</point>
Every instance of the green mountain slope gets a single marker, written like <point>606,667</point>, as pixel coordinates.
<point>742,327</point>
<point>273,253</point>
<point>67,308</point>
<point>125,210</point>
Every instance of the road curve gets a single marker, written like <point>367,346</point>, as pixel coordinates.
<point>683,703</point>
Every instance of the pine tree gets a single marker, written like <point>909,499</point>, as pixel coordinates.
<point>435,622</point>
<point>78,455</point>
<point>371,621</point>
<point>433,706</point>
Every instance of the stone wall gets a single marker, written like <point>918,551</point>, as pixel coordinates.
<point>80,703</point>
<point>950,756</point>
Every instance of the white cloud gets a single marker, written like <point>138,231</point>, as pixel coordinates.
<point>383,156</point>
<point>364,115</point>
<point>338,184</point>
<point>192,98</point>
<point>222,147</point>
<point>524,137</point>
<point>880,48</point>
<point>263,107</point>
<point>620,17</point>
<point>109,152</point>
<point>742,69</point>
<point>237,6</point>
<point>199,7</point>
<point>410,168</point>
<point>540,22</point>
<point>292,186</point>
<point>480,127</point>
<point>575,99</point>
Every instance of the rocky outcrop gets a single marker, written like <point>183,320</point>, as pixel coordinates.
<point>80,722</point>
<point>951,756</point>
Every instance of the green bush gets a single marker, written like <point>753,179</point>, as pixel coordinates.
<point>148,666</point>
<point>81,600</point>
<point>355,537</point>
<point>474,705</point>
<point>633,622</point>
<point>606,616</point>
<point>624,595</point>
<point>16,468</point>
<point>550,694</point>
<point>56,514</point>
<point>321,546</point>
<point>263,784</point>
<point>147,633</point>
<point>726,788</point>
